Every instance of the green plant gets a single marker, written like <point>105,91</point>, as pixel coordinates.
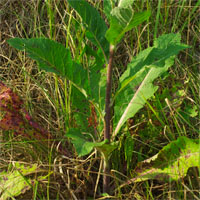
<point>91,92</point>
<point>16,182</point>
<point>171,163</point>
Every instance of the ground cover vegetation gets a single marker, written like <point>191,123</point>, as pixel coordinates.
<point>99,99</point>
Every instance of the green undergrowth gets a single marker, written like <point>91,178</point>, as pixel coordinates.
<point>141,167</point>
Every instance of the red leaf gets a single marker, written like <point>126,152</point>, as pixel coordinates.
<point>14,117</point>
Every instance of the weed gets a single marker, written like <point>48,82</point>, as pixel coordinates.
<point>78,102</point>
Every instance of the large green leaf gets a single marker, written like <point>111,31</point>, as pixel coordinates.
<point>52,56</point>
<point>93,22</point>
<point>136,83</point>
<point>95,95</point>
<point>172,162</point>
<point>15,182</point>
<point>49,54</point>
<point>81,142</point>
<point>123,19</point>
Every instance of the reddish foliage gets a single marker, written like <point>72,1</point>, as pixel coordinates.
<point>92,120</point>
<point>14,117</point>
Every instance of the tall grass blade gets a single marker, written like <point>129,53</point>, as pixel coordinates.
<point>157,19</point>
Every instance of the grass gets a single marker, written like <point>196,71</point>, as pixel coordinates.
<point>173,112</point>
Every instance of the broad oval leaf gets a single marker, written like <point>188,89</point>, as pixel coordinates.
<point>123,19</point>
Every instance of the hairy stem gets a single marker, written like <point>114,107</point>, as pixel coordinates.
<point>107,126</point>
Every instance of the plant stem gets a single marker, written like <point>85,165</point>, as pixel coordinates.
<point>106,178</point>
<point>108,95</point>
<point>107,126</point>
